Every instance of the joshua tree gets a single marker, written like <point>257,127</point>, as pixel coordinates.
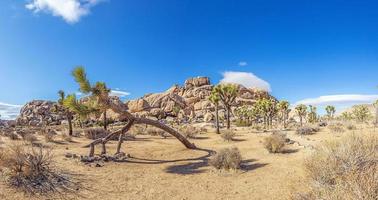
<point>67,111</point>
<point>331,110</point>
<point>267,108</point>
<point>283,109</point>
<point>347,116</point>
<point>214,98</point>
<point>312,115</point>
<point>301,111</point>
<point>376,112</point>
<point>227,95</point>
<point>99,97</point>
<point>361,113</point>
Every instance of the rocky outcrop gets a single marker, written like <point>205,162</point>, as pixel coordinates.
<point>39,112</point>
<point>187,102</point>
<point>190,100</point>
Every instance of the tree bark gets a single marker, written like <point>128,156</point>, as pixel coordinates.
<point>105,121</point>
<point>217,119</point>
<point>228,117</point>
<point>69,119</point>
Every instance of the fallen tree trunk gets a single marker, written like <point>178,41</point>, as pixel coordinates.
<point>131,121</point>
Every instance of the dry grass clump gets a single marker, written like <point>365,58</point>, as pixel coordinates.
<point>49,136</point>
<point>350,126</point>
<point>275,143</point>
<point>153,131</point>
<point>307,130</point>
<point>12,136</point>
<point>30,169</point>
<point>228,135</point>
<point>347,169</point>
<point>95,133</point>
<point>189,131</point>
<point>66,137</point>
<point>30,138</point>
<point>228,158</point>
<point>336,127</point>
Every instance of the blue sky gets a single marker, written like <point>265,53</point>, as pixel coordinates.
<point>302,49</point>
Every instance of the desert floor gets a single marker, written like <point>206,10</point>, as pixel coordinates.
<point>164,169</point>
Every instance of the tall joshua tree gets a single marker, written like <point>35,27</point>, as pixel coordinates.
<point>283,109</point>
<point>67,111</point>
<point>99,91</point>
<point>301,110</point>
<point>312,115</point>
<point>214,98</point>
<point>331,110</point>
<point>98,96</point>
<point>227,94</point>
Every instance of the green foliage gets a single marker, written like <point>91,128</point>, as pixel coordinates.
<point>361,113</point>
<point>312,115</point>
<point>301,110</point>
<point>346,116</point>
<point>81,78</point>
<point>331,110</point>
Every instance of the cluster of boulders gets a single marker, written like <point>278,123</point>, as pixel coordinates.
<point>39,113</point>
<point>185,103</point>
<point>188,102</point>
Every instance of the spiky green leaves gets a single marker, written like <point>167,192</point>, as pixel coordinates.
<point>226,92</point>
<point>81,78</point>
<point>301,110</point>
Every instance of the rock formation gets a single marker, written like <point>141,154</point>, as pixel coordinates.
<point>187,102</point>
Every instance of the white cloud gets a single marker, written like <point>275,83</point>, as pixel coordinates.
<point>119,93</point>
<point>70,10</point>
<point>9,111</point>
<point>246,79</point>
<point>242,63</point>
<point>343,99</point>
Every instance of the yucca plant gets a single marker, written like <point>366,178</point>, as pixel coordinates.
<point>227,94</point>
<point>301,111</point>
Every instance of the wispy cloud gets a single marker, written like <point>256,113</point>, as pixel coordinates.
<point>242,63</point>
<point>246,79</point>
<point>342,99</point>
<point>70,10</point>
<point>119,93</point>
<point>9,111</point>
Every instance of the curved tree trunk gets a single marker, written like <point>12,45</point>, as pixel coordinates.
<point>131,121</point>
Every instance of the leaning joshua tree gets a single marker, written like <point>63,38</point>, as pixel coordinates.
<point>97,97</point>
<point>301,111</point>
<point>214,98</point>
<point>227,94</point>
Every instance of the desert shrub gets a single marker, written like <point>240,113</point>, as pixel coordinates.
<point>30,138</point>
<point>30,169</point>
<point>275,143</point>
<point>307,130</point>
<point>96,133</point>
<point>228,135</point>
<point>156,132</point>
<point>49,137</point>
<point>345,169</point>
<point>12,136</point>
<point>66,137</point>
<point>228,158</point>
<point>350,126</point>
<point>242,123</point>
<point>189,131</point>
<point>336,127</point>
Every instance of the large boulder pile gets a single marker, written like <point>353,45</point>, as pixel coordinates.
<point>189,101</point>
<point>39,112</point>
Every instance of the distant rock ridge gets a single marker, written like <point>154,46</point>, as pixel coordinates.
<point>189,102</point>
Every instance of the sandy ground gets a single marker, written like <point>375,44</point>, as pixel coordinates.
<point>162,169</point>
